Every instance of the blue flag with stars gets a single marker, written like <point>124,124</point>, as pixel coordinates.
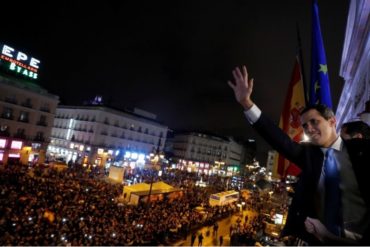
<point>319,88</point>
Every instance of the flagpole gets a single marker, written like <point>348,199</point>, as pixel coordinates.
<point>300,61</point>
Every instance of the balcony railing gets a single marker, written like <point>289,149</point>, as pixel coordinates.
<point>45,109</point>
<point>39,139</point>
<point>41,123</point>
<point>26,104</point>
<point>23,120</point>
<point>7,116</point>
<point>10,100</point>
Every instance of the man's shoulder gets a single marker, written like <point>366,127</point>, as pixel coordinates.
<point>357,143</point>
<point>358,149</point>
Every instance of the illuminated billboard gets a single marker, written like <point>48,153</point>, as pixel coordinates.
<point>18,63</point>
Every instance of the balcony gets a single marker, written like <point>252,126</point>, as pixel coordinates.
<point>23,120</point>
<point>39,139</point>
<point>20,136</point>
<point>7,116</point>
<point>42,123</point>
<point>27,104</point>
<point>5,133</point>
<point>11,100</point>
<point>45,109</point>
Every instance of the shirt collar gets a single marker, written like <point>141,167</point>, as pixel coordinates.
<point>337,145</point>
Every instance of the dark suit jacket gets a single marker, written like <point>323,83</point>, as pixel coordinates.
<point>310,159</point>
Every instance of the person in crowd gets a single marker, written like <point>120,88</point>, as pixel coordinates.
<point>355,129</point>
<point>193,237</point>
<point>215,228</point>
<point>221,238</point>
<point>332,185</point>
<point>200,239</point>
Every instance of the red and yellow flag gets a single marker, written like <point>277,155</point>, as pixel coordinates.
<point>290,120</point>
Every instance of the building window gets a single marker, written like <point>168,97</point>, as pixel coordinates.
<point>23,117</point>
<point>27,103</point>
<point>4,130</point>
<point>45,107</point>
<point>39,136</point>
<point>16,145</point>
<point>7,113</point>
<point>42,121</point>
<point>20,133</point>
<point>11,99</point>
<point>2,143</point>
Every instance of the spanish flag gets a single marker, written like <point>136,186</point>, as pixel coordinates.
<point>290,119</point>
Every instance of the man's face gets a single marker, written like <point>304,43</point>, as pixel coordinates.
<point>320,131</point>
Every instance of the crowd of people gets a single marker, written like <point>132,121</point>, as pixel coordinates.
<point>46,206</point>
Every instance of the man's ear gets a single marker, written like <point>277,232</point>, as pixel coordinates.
<point>332,121</point>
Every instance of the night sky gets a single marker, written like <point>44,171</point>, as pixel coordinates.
<point>173,58</point>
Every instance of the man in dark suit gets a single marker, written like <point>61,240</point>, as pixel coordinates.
<point>355,129</point>
<point>310,218</point>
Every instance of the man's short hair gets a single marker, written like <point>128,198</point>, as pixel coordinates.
<point>324,111</point>
<point>357,127</point>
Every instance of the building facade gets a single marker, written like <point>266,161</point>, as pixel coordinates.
<point>95,134</point>
<point>205,153</point>
<point>355,65</point>
<point>26,120</point>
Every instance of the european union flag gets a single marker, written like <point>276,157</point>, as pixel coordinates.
<point>319,89</point>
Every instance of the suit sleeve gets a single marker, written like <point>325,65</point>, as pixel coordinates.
<point>280,141</point>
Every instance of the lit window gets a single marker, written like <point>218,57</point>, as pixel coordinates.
<point>2,143</point>
<point>16,145</point>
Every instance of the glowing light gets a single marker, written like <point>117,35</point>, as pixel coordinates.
<point>2,143</point>
<point>16,145</point>
<point>134,156</point>
<point>306,138</point>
